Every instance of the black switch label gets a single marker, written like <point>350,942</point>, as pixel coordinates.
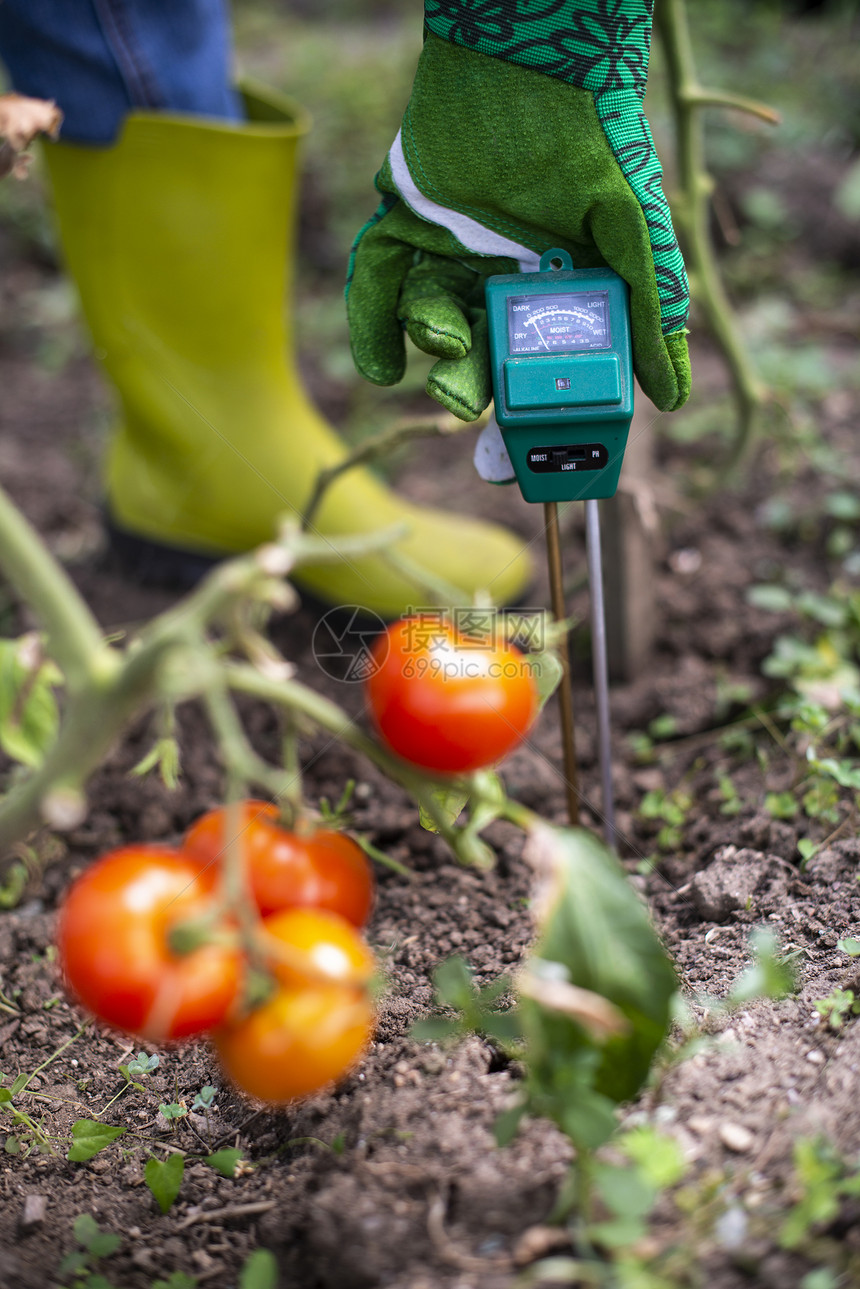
<point>568,457</point>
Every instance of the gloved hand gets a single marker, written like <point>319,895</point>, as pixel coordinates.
<point>522,133</point>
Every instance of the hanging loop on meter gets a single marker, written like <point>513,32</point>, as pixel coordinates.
<point>562,368</point>
<point>548,260</point>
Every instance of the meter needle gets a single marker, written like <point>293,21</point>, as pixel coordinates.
<point>543,342</point>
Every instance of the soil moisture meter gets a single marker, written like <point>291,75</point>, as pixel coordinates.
<point>562,377</point>
<point>562,370</point>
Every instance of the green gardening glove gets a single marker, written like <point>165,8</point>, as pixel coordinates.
<point>524,131</point>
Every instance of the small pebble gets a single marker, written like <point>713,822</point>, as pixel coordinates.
<point>33,1214</point>
<point>736,1137</point>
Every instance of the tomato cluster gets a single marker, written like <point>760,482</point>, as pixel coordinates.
<point>149,944</point>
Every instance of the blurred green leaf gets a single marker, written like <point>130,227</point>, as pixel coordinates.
<point>770,975</point>
<point>29,716</point>
<point>225,1161</point>
<point>592,922</point>
<point>164,1179</point>
<point>260,1271</point>
<point>450,802</point>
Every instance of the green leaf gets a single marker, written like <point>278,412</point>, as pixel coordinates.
<point>164,1179</point>
<point>88,1233</point>
<point>175,1110</point>
<point>20,1083</point>
<point>825,609</point>
<point>178,1280</point>
<point>139,1066</point>
<point>547,670</point>
<point>165,755</point>
<point>806,849</point>
<point>12,1146</point>
<point>658,1157</point>
<point>821,1278</point>
<point>450,802</point>
<point>772,598</point>
<point>454,984</point>
<point>14,884</point>
<point>29,717</point>
<point>434,1029</point>
<point>849,946</point>
<point>781,805</point>
<point>260,1271</point>
<point>73,1264</point>
<point>591,920</point>
<point>507,1124</point>
<point>204,1098</point>
<point>846,198</point>
<point>619,1233</point>
<point>844,505</point>
<point>225,1161</point>
<point>104,1244</point>
<point>89,1137</point>
<point>769,976</point>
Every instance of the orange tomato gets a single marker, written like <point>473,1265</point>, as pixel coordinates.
<point>318,1019</point>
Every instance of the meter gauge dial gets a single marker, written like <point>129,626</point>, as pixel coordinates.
<point>566,323</point>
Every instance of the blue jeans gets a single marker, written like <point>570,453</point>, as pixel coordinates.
<point>100,59</point>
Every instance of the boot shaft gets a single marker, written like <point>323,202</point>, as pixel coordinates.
<point>179,236</point>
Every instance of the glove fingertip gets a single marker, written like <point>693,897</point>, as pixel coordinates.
<point>379,370</point>
<point>679,356</point>
<point>453,401</point>
<point>437,343</point>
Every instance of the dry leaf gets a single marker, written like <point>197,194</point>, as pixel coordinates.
<point>21,119</point>
<point>595,1013</point>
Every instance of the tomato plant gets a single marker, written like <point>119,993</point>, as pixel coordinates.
<point>325,870</point>
<point>114,943</point>
<point>317,1020</point>
<point>447,703</point>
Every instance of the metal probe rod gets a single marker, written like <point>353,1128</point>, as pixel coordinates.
<point>601,675</point>
<point>565,692</point>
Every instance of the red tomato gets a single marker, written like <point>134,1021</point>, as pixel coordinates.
<point>325,870</point>
<point>446,703</point>
<point>114,949</point>
<point>310,1030</point>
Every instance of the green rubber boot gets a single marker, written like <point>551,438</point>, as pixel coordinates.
<point>178,240</point>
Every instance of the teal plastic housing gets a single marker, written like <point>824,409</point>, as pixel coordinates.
<point>563,389</point>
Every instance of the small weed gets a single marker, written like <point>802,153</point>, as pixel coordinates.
<point>838,1008</point>
<point>94,1244</point>
<point>671,810</point>
<point>824,1180</point>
